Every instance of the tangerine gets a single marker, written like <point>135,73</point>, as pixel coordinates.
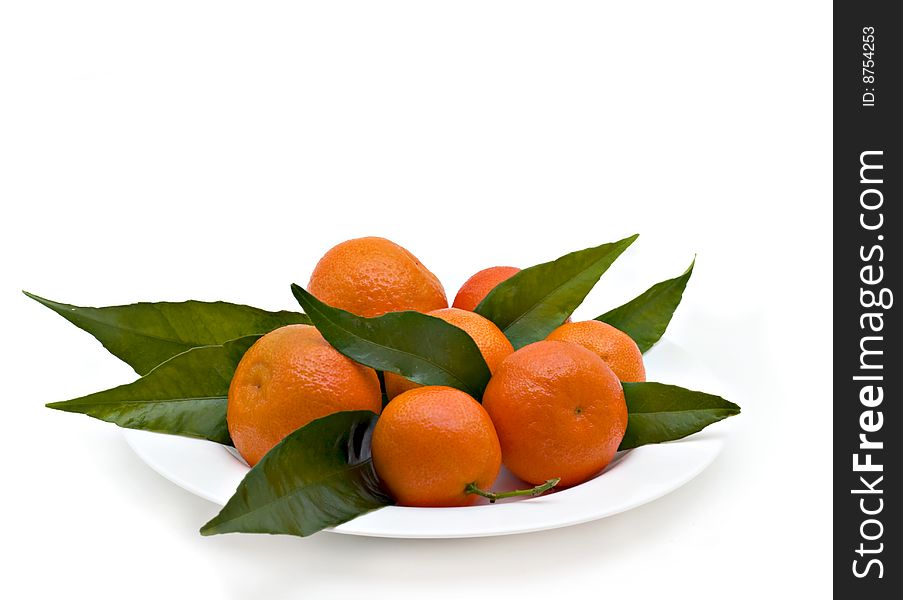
<point>431,443</point>
<point>611,344</point>
<point>480,284</point>
<point>371,276</point>
<point>559,411</point>
<point>288,378</point>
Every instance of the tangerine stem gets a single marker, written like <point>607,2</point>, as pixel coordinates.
<point>493,496</point>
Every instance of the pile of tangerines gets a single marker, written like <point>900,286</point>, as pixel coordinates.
<point>553,412</point>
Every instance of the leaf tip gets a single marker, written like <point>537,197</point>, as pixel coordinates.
<point>34,297</point>
<point>300,294</point>
<point>51,304</point>
<point>630,239</point>
<point>209,528</point>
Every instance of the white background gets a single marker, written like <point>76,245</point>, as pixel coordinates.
<point>214,150</point>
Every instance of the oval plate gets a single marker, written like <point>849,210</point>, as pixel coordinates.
<point>633,478</point>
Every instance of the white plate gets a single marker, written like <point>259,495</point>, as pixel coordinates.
<point>633,478</point>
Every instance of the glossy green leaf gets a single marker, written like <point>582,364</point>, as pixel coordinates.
<point>530,304</point>
<point>657,412</point>
<point>148,333</point>
<point>319,476</point>
<point>186,395</point>
<point>425,349</point>
<point>646,317</point>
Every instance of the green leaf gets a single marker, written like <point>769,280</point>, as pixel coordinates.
<point>646,317</point>
<point>146,334</point>
<point>319,476</point>
<point>533,302</point>
<point>186,395</point>
<point>657,412</point>
<point>425,349</point>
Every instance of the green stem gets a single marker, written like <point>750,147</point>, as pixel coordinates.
<point>493,496</point>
